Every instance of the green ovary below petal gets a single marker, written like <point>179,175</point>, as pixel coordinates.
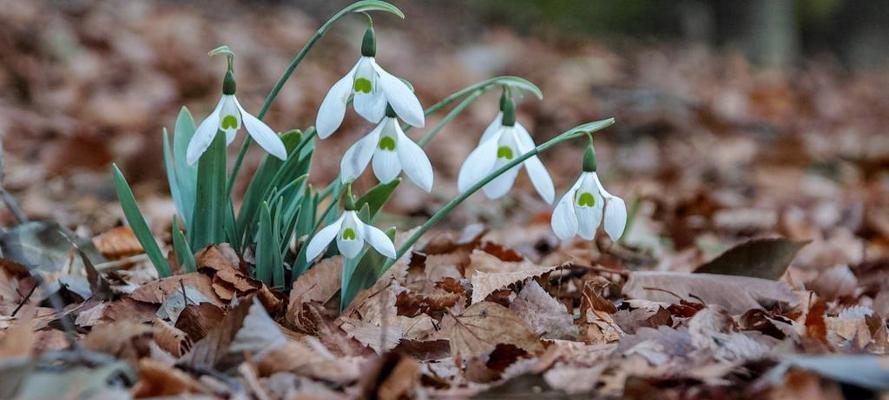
<point>229,122</point>
<point>504,152</point>
<point>363,85</point>
<point>386,143</point>
<point>586,199</point>
<point>348,234</point>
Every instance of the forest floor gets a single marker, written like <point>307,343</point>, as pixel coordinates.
<point>754,266</point>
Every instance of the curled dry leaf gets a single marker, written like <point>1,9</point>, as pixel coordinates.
<point>736,293</point>
<point>545,315</point>
<point>117,243</point>
<point>123,339</point>
<point>158,380</point>
<point>156,292</point>
<point>482,326</point>
<point>318,285</point>
<point>488,273</point>
<point>310,358</point>
<point>765,258</point>
<point>171,339</point>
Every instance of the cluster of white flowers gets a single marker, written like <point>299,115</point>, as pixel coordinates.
<point>383,99</point>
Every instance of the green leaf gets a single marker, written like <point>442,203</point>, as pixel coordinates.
<point>516,82</point>
<point>183,251</point>
<point>269,267</point>
<point>376,197</point>
<point>373,5</point>
<point>211,203</point>
<point>186,175</point>
<point>138,224</point>
<point>260,184</point>
<point>765,258</point>
<point>364,272</point>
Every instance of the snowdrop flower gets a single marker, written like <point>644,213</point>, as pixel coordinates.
<point>580,210</point>
<point>228,117</point>
<point>372,88</point>
<point>350,234</point>
<point>392,151</point>
<point>503,141</point>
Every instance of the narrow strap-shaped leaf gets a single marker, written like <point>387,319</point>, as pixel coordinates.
<point>376,197</point>
<point>138,224</point>
<point>211,202</point>
<point>172,181</point>
<point>183,251</point>
<point>186,175</point>
<point>268,259</point>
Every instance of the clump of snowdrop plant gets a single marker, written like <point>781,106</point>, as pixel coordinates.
<point>284,224</point>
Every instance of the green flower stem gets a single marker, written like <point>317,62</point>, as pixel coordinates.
<point>354,7</point>
<point>572,133</point>
<point>450,117</point>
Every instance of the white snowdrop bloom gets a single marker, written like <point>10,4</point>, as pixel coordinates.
<point>350,234</point>
<point>371,88</point>
<point>503,141</point>
<point>392,151</point>
<point>581,209</point>
<point>228,117</point>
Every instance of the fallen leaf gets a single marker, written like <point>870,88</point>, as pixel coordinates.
<point>156,292</point>
<point>319,284</point>
<point>488,273</point>
<point>310,358</point>
<point>766,258</point>
<point>482,326</point>
<point>545,315</point>
<point>736,293</point>
<point>159,380</point>
<point>117,243</point>
<point>197,320</point>
<point>391,377</point>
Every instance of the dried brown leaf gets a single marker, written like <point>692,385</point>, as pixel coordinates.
<point>319,284</point>
<point>482,326</point>
<point>736,293</point>
<point>545,315</point>
<point>117,243</point>
<point>488,273</point>
<point>766,258</point>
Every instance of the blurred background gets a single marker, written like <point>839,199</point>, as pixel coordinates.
<point>735,119</point>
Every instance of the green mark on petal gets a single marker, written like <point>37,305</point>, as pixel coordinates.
<point>348,234</point>
<point>363,85</point>
<point>229,122</point>
<point>586,199</point>
<point>387,143</point>
<point>504,152</point>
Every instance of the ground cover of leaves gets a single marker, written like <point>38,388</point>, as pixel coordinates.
<point>711,154</point>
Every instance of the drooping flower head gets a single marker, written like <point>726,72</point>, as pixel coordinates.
<point>228,117</point>
<point>581,209</point>
<point>503,141</point>
<point>371,89</point>
<point>351,234</point>
<point>392,151</point>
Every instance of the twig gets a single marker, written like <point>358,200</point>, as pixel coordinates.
<point>24,301</point>
<point>10,201</point>
<point>112,265</point>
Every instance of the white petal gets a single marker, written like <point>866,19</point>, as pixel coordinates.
<point>500,185</point>
<point>536,171</point>
<point>615,217</point>
<point>564,221</point>
<point>204,135</point>
<point>478,164</point>
<point>493,127</point>
<point>264,136</point>
<point>371,106</point>
<point>401,98</point>
<point>350,248</point>
<point>588,218</point>
<point>386,165</point>
<point>323,238</point>
<point>414,161</point>
<point>333,107</point>
<point>356,158</point>
<point>230,107</point>
<point>379,241</point>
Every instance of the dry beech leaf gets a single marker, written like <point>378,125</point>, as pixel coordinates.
<point>171,339</point>
<point>197,320</point>
<point>319,284</point>
<point>310,358</point>
<point>159,380</point>
<point>156,292</point>
<point>488,273</point>
<point>380,339</point>
<point>736,293</point>
<point>836,282</point>
<point>227,276</point>
<point>766,258</point>
<point>123,339</point>
<point>394,376</point>
<point>482,326</point>
<point>545,315</point>
<point>118,243</point>
<point>572,379</point>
